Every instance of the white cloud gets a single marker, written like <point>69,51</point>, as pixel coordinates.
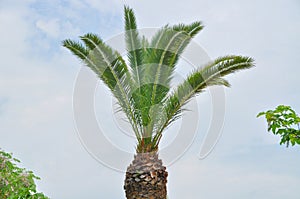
<point>77,4</point>
<point>56,28</point>
<point>9,36</point>
<point>105,6</point>
<point>51,27</point>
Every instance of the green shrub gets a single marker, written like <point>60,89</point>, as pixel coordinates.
<point>15,182</point>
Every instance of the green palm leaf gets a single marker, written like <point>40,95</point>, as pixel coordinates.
<point>133,45</point>
<point>160,58</point>
<point>165,49</point>
<point>195,83</point>
<point>110,68</point>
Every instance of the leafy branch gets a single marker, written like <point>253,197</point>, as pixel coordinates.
<point>15,182</point>
<point>283,121</point>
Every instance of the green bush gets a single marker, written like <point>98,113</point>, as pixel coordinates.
<point>15,182</point>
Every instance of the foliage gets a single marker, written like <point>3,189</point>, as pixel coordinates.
<point>283,121</point>
<point>15,182</point>
<point>142,86</point>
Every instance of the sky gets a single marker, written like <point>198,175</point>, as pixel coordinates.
<point>38,77</point>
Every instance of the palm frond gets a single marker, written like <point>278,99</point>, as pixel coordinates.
<point>76,48</point>
<point>165,49</point>
<point>195,83</point>
<point>133,45</point>
<point>110,68</point>
<point>159,59</point>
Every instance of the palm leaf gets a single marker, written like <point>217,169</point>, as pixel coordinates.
<point>111,69</point>
<point>160,58</point>
<point>195,83</point>
<point>133,45</point>
<point>165,49</point>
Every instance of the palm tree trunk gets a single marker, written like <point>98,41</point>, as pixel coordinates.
<point>146,177</point>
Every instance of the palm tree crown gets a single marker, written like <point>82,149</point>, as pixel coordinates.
<point>142,86</point>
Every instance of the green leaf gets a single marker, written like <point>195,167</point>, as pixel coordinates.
<point>282,121</point>
<point>260,114</point>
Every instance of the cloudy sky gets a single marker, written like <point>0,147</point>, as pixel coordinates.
<point>37,78</point>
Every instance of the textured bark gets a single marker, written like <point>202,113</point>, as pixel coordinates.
<point>146,178</point>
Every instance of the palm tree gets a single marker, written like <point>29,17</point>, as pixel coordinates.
<point>141,85</point>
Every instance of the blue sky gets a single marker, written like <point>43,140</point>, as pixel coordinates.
<point>37,78</point>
